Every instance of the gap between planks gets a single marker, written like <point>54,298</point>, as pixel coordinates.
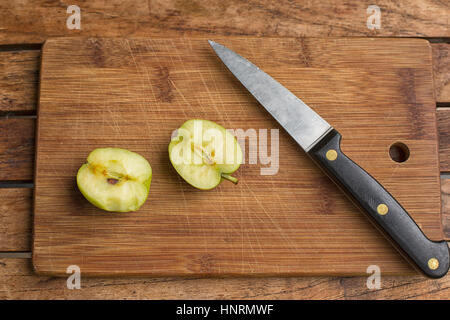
<point>15,255</point>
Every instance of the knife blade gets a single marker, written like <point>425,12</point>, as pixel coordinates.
<point>321,142</point>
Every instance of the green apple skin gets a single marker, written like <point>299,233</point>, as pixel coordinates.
<point>208,174</point>
<point>115,179</point>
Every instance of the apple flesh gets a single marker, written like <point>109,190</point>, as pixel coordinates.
<point>204,153</point>
<point>115,179</point>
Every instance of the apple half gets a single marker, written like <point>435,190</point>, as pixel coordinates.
<point>204,153</point>
<point>115,179</point>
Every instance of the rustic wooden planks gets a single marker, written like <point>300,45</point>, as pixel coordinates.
<point>445,187</point>
<point>17,281</point>
<point>443,124</point>
<point>441,68</point>
<point>15,219</point>
<point>19,81</point>
<point>35,21</point>
<point>30,286</point>
<point>17,148</point>
<point>86,89</point>
<point>40,19</point>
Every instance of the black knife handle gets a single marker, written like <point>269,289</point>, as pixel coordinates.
<point>431,257</point>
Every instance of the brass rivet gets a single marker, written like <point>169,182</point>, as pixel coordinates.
<point>331,155</point>
<point>433,263</point>
<point>382,209</point>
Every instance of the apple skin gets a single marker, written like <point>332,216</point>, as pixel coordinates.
<point>216,173</point>
<point>93,182</point>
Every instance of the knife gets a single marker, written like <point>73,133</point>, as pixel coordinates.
<point>321,142</point>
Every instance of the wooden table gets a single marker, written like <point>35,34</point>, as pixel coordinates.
<point>26,24</point>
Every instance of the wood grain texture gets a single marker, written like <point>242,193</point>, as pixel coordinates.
<point>17,148</point>
<point>19,80</point>
<point>443,124</point>
<point>445,199</point>
<point>15,219</point>
<point>441,68</point>
<point>19,87</point>
<point>445,190</point>
<point>16,213</point>
<point>23,67</point>
<point>17,281</point>
<point>41,19</point>
<point>20,69</point>
<point>133,93</point>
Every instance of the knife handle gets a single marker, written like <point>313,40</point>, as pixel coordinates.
<point>430,257</point>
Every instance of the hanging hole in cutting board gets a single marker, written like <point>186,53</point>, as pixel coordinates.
<point>399,152</point>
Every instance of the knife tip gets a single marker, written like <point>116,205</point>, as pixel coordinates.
<point>211,43</point>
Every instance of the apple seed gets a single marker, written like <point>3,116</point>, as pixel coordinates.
<point>112,181</point>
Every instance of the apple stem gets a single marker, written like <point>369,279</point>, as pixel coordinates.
<point>229,178</point>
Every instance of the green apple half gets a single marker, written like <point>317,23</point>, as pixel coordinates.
<point>115,179</point>
<point>204,153</point>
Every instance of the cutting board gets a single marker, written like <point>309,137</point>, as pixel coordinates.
<point>133,93</point>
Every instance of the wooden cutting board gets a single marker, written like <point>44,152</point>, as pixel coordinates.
<point>134,93</point>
